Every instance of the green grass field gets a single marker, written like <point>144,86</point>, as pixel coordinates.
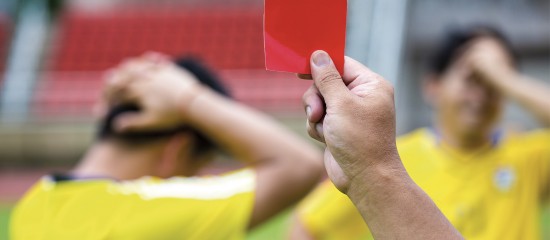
<point>4,218</point>
<point>274,229</point>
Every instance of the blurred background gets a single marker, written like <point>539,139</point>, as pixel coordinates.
<point>53,54</point>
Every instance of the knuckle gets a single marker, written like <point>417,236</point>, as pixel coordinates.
<point>308,95</point>
<point>380,80</point>
<point>385,85</point>
<point>329,76</point>
<point>390,89</point>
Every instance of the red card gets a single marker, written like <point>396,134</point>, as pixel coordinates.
<point>294,29</point>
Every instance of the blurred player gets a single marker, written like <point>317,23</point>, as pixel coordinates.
<point>138,180</point>
<point>490,184</point>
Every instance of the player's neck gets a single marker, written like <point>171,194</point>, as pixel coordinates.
<point>466,142</point>
<point>109,160</point>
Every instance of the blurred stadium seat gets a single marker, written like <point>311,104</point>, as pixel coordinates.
<point>4,32</point>
<point>226,37</point>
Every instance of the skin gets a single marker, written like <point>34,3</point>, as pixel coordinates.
<point>468,99</point>
<point>169,96</point>
<point>354,115</point>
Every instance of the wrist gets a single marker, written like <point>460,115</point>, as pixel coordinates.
<point>378,180</point>
<point>497,75</point>
<point>188,100</point>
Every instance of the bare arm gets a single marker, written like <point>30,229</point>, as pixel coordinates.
<point>356,119</point>
<point>394,207</point>
<point>287,167</point>
<point>533,95</point>
<point>492,65</point>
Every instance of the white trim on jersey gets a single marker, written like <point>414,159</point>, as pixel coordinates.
<point>202,188</point>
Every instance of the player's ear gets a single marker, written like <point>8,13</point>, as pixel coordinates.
<point>430,89</point>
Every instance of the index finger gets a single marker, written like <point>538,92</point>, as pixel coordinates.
<point>353,69</point>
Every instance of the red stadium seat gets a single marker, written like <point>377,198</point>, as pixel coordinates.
<point>227,38</point>
<point>4,42</point>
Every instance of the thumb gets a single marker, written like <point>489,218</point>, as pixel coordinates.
<point>326,77</point>
<point>131,122</point>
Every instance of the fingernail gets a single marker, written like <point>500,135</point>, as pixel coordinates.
<point>308,111</point>
<point>321,59</point>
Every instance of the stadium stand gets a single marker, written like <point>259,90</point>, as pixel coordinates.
<point>4,41</point>
<point>228,38</point>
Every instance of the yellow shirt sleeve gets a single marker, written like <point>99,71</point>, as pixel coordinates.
<point>329,214</point>
<point>535,147</point>
<point>541,140</point>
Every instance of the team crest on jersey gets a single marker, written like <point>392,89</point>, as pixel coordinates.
<point>504,178</point>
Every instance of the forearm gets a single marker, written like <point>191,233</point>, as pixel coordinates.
<point>530,93</point>
<point>287,167</point>
<point>247,134</point>
<point>394,207</point>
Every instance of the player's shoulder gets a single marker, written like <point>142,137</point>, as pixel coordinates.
<point>527,140</point>
<point>204,188</point>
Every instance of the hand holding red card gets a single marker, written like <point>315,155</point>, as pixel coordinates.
<point>294,29</point>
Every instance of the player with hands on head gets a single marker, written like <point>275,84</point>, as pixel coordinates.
<point>475,170</point>
<point>140,179</point>
<point>497,70</point>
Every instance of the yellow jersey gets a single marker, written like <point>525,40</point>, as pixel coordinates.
<point>217,207</point>
<point>494,193</point>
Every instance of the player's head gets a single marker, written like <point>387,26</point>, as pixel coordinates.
<point>181,149</point>
<point>463,103</point>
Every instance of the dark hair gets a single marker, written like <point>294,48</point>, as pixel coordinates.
<point>202,143</point>
<point>453,45</point>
